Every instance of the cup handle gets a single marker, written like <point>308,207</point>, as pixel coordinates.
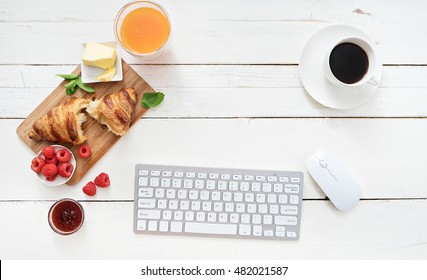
<point>373,81</point>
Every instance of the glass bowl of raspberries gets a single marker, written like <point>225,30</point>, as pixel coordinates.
<point>55,165</point>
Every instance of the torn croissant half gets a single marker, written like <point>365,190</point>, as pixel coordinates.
<point>114,110</point>
<point>62,124</point>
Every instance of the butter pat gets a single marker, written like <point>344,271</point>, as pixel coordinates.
<point>107,75</point>
<point>99,56</point>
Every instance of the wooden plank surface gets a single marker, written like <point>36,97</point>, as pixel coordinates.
<point>377,151</point>
<point>99,139</point>
<point>373,230</point>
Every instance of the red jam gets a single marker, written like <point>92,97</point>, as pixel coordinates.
<point>66,216</point>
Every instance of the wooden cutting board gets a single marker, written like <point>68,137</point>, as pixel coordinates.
<point>99,138</point>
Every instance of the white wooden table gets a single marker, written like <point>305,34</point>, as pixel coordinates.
<point>233,99</point>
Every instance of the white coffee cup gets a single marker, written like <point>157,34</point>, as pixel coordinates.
<point>369,78</point>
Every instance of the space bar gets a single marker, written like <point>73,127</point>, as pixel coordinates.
<point>210,228</point>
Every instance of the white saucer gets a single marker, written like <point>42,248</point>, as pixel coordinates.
<point>312,74</point>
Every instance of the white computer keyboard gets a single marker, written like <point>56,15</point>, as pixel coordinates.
<point>217,202</point>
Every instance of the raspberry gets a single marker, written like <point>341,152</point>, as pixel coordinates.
<point>49,170</point>
<point>51,178</point>
<point>63,155</point>
<point>65,169</point>
<point>48,152</point>
<point>89,189</point>
<point>37,164</point>
<point>53,160</point>
<point>102,180</point>
<point>84,151</point>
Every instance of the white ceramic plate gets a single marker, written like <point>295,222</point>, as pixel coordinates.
<point>59,180</point>
<point>89,73</point>
<point>312,72</point>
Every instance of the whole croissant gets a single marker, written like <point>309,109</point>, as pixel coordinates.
<point>62,124</point>
<point>114,110</point>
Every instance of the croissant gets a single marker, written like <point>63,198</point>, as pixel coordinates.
<point>62,124</point>
<point>114,110</point>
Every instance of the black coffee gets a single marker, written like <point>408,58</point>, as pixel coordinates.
<point>348,62</point>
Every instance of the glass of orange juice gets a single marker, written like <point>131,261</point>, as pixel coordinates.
<point>143,29</point>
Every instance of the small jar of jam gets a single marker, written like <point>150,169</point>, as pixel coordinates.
<point>66,216</point>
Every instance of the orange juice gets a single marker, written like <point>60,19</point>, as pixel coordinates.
<point>144,30</point>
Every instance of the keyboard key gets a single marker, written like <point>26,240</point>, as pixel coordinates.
<point>167,215</point>
<point>245,230</point>
<point>249,177</point>
<point>202,175</point>
<point>216,196</point>
<point>289,210</point>
<point>167,173</point>
<point>146,203</point>
<point>182,194</point>
<point>256,219</point>
<point>284,179</point>
<point>267,219</point>
<point>193,195</point>
<point>260,197</point>
<point>176,183</point>
<point>218,206</point>
<point>184,205</point>
<point>237,177</point>
<point>222,217</point>
<point>244,186</point>
<point>249,197</point>
<point>170,193</point>
<point>189,216</point>
<point>178,174</point>
<point>160,193</point>
<point>257,231</point>
<point>214,176</point>
<point>240,208</point>
<point>251,208</point>
<point>293,199</point>
<point>152,225</point>
<point>161,204</point>
<point>260,178</point>
<point>272,178</point>
<point>266,187</point>
<point>154,182</point>
<point>200,184</point>
<point>278,188</point>
<point>222,185</point>
<point>256,187</point>
<point>200,216</point>
<point>274,209</point>
<point>226,196</point>
<point>163,226</point>
<point>188,184</point>
<point>271,198</point>
<point>165,183</point>
<point>176,226</point>
<point>245,219</point>
<point>234,218</point>
<point>149,214</point>
<point>210,185</point>
<point>285,220</point>
<point>207,206</point>
<point>212,217</point>
<point>143,172</point>
<point>155,173</point>
<point>173,204</point>
<point>190,175</point>
<point>141,225</point>
<point>211,228</point>
<point>291,188</point>
<point>229,207</point>
<point>268,233</point>
<point>225,176</point>
<point>291,234</point>
<point>262,208</point>
<point>238,197</point>
<point>143,181</point>
<point>295,180</point>
<point>204,195</point>
<point>233,186</point>
<point>177,215</point>
<point>145,192</point>
<point>283,199</point>
<point>195,205</point>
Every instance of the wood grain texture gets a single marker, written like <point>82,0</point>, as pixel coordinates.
<point>98,137</point>
<point>372,230</point>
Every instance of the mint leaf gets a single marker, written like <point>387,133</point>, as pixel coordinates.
<point>68,77</point>
<point>71,90</point>
<point>152,99</point>
<point>84,86</point>
<point>71,84</point>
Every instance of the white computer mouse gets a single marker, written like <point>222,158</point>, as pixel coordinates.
<point>334,179</point>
